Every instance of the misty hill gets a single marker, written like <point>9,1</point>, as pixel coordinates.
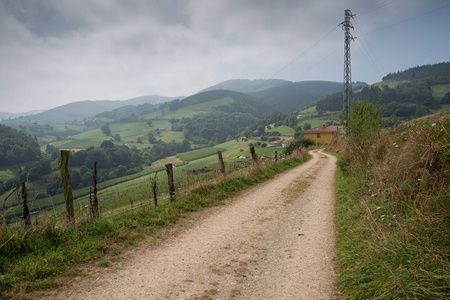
<point>82,109</point>
<point>420,72</point>
<point>293,96</point>
<point>246,85</point>
<point>7,115</point>
<point>408,94</point>
<point>225,101</point>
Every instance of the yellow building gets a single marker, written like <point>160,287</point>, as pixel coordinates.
<point>323,134</point>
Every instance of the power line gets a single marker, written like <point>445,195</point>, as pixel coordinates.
<point>407,20</point>
<point>375,7</point>
<point>365,41</point>
<point>319,62</point>
<point>303,53</point>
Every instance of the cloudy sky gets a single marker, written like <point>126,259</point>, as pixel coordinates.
<point>53,52</point>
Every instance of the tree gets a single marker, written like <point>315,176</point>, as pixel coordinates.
<point>106,130</point>
<point>117,137</point>
<point>446,99</point>
<point>151,138</point>
<point>298,143</point>
<point>306,126</point>
<point>260,130</point>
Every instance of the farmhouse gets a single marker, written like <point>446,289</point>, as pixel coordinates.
<point>323,134</point>
<point>275,143</point>
<point>242,139</point>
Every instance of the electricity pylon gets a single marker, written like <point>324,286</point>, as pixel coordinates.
<point>347,91</point>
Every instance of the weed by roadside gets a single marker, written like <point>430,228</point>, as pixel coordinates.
<point>393,214</point>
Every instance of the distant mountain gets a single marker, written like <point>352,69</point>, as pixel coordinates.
<point>226,101</point>
<point>82,109</point>
<point>7,115</point>
<point>152,99</point>
<point>246,85</point>
<point>294,96</point>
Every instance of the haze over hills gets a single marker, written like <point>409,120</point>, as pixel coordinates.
<point>7,115</point>
<point>282,95</point>
<point>246,85</point>
<point>83,109</point>
<point>296,95</point>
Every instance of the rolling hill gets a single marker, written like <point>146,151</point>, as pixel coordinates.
<point>408,94</point>
<point>246,85</point>
<point>82,109</point>
<point>297,95</point>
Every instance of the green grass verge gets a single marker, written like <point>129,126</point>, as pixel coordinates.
<point>382,254</point>
<point>33,258</point>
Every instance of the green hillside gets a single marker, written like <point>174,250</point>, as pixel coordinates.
<point>409,94</point>
<point>84,109</point>
<point>297,95</point>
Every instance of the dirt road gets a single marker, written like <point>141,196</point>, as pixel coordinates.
<point>274,241</point>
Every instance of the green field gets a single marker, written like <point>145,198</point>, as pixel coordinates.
<point>199,153</point>
<point>283,129</point>
<point>208,106</point>
<point>310,111</point>
<point>316,122</point>
<point>5,175</point>
<point>439,90</point>
<point>165,114</point>
<point>95,134</point>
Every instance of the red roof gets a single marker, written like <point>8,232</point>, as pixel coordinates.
<point>323,128</point>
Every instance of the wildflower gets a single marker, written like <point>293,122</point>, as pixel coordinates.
<point>433,125</point>
<point>379,207</point>
<point>396,146</point>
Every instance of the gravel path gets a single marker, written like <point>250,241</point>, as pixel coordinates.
<point>274,241</point>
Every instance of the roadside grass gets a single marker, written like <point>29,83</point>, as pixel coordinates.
<point>393,214</point>
<point>33,258</point>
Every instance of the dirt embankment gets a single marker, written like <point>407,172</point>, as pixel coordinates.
<point>274,241</point>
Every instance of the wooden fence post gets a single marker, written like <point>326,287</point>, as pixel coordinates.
<point>26,211</point>
<point>169,170</point>
<point>154,184</point>
<point>222,165</point>
<point>276,156</point>
<point>94,204</point>
<point>67,184</point>
<point>254,156</point>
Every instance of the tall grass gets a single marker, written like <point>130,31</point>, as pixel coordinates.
<point>393,213</point>
<point>33,258</point>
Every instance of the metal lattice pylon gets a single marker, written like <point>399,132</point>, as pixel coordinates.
<point>347,91</point>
